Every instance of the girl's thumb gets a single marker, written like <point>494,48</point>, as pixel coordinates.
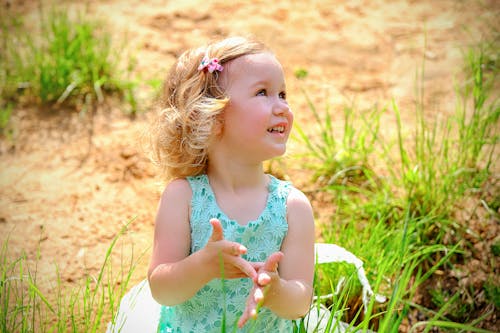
<point>272,261</point>
<point>217,232</point>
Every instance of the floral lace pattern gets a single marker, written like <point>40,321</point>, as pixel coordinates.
<point>220,303</point>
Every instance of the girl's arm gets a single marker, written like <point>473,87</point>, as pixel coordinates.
<point>175,275</point>
<point>287,290</point>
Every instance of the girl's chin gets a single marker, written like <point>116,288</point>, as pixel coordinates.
<point>279,151</point>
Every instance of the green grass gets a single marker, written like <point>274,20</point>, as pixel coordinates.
<point>398,217</point>
<point>339,161</point>
<point>395,197</point>
<point>5,113</point>
<point>63,58</point>
<point>84,308</point>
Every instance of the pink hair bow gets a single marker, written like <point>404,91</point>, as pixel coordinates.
<point>210,65</point>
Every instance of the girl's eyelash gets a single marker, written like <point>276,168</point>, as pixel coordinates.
<point>264,93</point>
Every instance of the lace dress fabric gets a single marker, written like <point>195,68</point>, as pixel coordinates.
<point>217,306</point>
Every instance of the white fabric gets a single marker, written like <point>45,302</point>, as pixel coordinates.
<point>327,253</point>
<point>138,311</point>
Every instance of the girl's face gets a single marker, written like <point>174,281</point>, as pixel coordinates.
<point>257,120</point>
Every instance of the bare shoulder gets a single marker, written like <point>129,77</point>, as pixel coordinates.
<point>172,232</point>
<point>298,201</point>
<point>174,202</point>
<point>298,245</point>
<point>174,205</point>
<point>176,194</point>
<point>299,209</point>
<point>177,188</point>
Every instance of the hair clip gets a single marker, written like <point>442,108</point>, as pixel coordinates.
<point>210,65</point>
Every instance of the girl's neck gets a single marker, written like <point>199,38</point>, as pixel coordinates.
<point>234,176</point>
<point>240,191</point>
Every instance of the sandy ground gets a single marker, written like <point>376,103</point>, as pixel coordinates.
<point>68,199</point>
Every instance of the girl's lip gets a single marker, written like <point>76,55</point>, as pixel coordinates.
<point>283,124</point>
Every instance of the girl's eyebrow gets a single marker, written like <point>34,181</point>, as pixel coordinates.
<point>266,82</point>
<point>260,83</point>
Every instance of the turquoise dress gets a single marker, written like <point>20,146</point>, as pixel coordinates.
<point>218,305</point>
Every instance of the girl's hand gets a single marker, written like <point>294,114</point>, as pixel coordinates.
<point>268,280</point>
<point>225,256</point>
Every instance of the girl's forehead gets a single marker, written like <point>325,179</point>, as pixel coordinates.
<point>251,61</point>
<point>251,65</point>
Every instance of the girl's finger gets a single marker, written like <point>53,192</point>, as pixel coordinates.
<point>257,265</point>
<point>271,263</point>
<point>243,319</point>
<point>244,266</point>
<point>263,279</point>
<point>234,249</point>
<point>258,295</point>
<point>217,232</point>
<point>249,312</point>
<point>244,316</point>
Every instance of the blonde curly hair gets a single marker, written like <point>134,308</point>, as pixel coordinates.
<point>192,106</point>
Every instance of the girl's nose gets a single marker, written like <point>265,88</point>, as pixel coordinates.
<point>280,107</point>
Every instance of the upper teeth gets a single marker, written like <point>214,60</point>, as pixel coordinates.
<point>280,129</point>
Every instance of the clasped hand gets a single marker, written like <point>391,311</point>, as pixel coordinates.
<point>228,263</point>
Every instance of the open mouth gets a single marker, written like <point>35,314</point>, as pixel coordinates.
<point>277,129</point>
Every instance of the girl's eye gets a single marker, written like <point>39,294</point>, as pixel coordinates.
<point>262,92</point>
<point>283,95</point>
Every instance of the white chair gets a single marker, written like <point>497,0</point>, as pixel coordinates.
<point>139,312</point>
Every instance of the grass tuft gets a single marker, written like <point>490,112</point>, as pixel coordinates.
<point>403,225</point>
<point>86,308</point>
<point>63,59</point>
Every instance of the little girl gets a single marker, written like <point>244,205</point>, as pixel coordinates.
<point>233,246</point>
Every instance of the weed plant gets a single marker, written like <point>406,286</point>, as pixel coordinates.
<point>64,59</point>
<point>397,223</point>
<point>86,308</point>
<point>339,161</point>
